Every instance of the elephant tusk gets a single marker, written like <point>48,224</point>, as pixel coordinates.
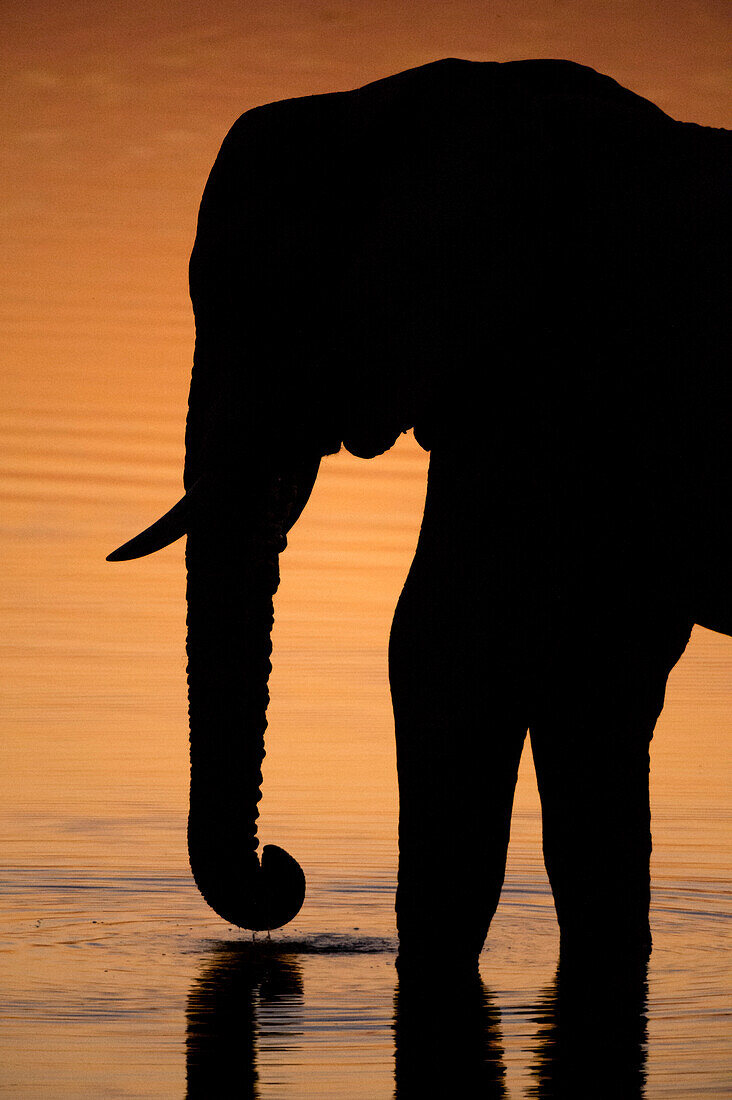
<point>176,521</point>
<point>169,528</point>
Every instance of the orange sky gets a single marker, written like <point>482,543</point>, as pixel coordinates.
<point>114,112</point>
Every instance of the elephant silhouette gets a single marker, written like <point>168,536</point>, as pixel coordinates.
<point>526,263</point>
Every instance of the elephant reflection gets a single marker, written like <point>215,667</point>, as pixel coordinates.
<point>525,263</point>
<point>591,1038</point>
<point>593,1032</point>
<point>224,1016</point>
<point>447,1038</point>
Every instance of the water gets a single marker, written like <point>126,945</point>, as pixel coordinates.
<point>117,980</point>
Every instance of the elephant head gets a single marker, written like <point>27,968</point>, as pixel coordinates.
<point>437,250</point>
<point>279,236</point>
<point>256,430</point>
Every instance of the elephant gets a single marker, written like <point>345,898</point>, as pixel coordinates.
<point>525,264</point>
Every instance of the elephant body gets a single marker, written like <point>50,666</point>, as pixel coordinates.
<point>526,264</point>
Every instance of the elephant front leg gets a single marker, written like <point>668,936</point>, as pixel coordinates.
<point>459,742</point>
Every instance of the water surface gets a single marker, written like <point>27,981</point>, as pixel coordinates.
<point>117,980</point>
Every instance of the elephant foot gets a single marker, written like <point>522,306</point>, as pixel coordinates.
<point>605,948</point>
<point>436,966</point>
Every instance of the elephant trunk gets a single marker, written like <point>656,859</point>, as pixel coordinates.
<point>232,578</point>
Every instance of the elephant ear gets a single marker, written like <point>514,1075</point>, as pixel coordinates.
<point>333,275</point>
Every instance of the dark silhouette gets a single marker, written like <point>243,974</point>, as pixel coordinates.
<point>591,1039</point>
<point>447,1038</point>
<point>592,1032</point>
<point>223,1016</point>
<point>526,263</point>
